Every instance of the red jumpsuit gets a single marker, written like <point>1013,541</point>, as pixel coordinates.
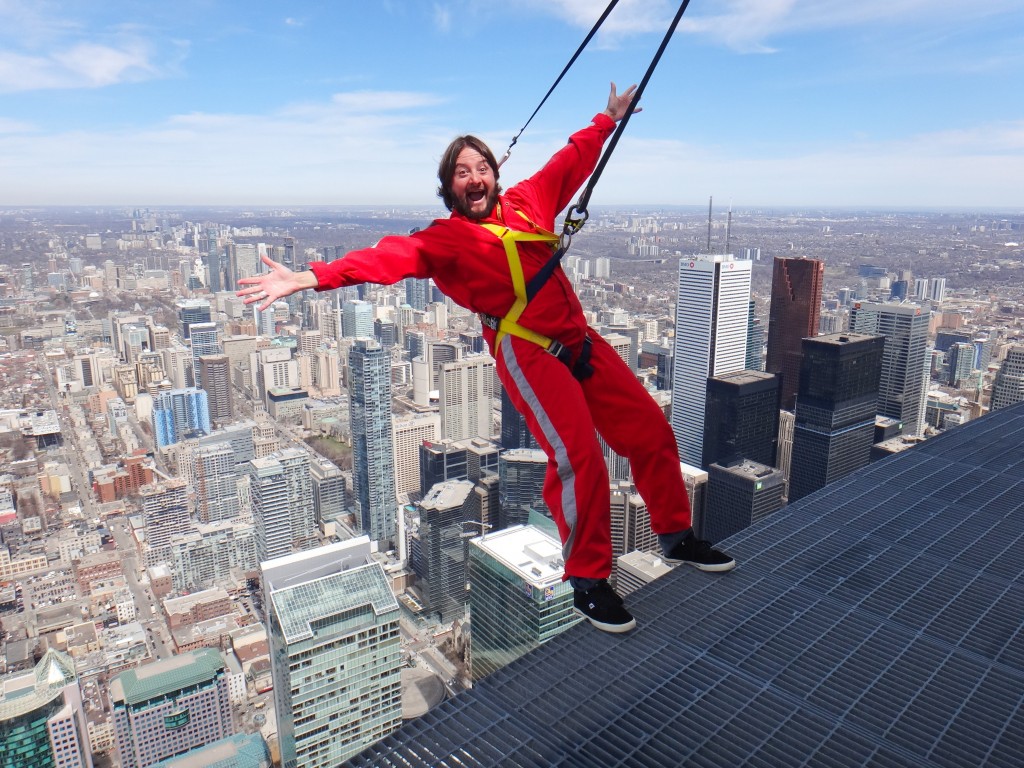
<point>468,263</point>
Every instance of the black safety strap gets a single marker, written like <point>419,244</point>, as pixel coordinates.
<point>574,224</point>
<point>558,79</point>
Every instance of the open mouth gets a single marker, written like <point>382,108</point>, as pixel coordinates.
<point>476,195</point>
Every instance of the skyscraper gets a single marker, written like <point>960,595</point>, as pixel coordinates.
<point>514,432</point>
<point>329,496</point>
<point>631,523</point>
<point>712,307</point>
<point>179,414</point>
<point>417,293</point>
<point>755,341</point>
<point>1008,387</point>
<point>960,363</point>
<point>373,463</point>
<point>517,598</point>
<point>332,627</point>
<point>521,474</point>
<point>466,392</point>
<point>216,483</point>
<point>440,461</point>
<point>835,409</point>
<point>42,722</point>
<point>357,319</point>
<point>739,492</point>
<point>442,547</point>
<point>410,431</point>
<point>165,512</point>
<point>742,418</point>
<point>204,340</point>
<point>796,305</point>
<point>170,706</point>
<point>903,385</point>
<point>215,380</point>
<point>214,270</point>
<point>282,503</point>
<point>191,311</point>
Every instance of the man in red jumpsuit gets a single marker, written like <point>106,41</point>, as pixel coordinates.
<point>566,400</point>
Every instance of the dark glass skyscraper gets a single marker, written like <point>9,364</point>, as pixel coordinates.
<point>443,546</point>
<point>742,418</point>
<point>514,432</point>
<point>794,313</point>
<point>521,472</point>
<point>441,461</point>
<point>739,493</point>
<point>835,409</point>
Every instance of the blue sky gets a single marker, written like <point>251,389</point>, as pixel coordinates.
<point>894,103</point>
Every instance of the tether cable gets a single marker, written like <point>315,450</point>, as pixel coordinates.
<point>573,224</point>
<point>558,79</point>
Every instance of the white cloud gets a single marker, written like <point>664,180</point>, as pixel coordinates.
<point>43,47</point>
<point>747,25</point>
<point>86,65</point>
<point>382,148</point>
<point>973,168</point>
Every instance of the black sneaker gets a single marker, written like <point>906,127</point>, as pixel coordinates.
<point>603,607</point>
<point>700,554</point>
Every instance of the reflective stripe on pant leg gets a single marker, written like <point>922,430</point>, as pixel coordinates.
<point>566,474</point>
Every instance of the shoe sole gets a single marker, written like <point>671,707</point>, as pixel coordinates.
<point>612,628</point>
<point>709,567</point>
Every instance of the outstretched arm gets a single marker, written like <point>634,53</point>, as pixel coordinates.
<point>617,105</point>
<point>275,284</point>
<point>551,189</point>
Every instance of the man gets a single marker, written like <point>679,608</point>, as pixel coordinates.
<point>561,375</point>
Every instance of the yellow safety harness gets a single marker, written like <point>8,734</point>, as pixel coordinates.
<point>509,325</point>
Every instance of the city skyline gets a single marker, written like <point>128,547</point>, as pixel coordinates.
<point>898,104</point>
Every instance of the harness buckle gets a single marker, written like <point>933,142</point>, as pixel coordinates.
<point>560,351</point>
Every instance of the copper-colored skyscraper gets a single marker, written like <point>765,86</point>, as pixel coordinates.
<point>795,308</point>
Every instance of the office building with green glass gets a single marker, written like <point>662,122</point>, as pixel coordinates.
<point>332,625</point>
<point>42,724</point>
<point>517,599</point>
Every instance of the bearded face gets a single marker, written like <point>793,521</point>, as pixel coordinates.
<point>474,188</point>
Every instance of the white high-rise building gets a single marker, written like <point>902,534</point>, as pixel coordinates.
<point>712,306</point>
<point>466,393</point>
<point>336,658</point>
<point>357,319</point>
<point>920,288</point>
<point>1008,387</point>
<point>409,431</point>
<point>938,289</point>
<point>282,501</point>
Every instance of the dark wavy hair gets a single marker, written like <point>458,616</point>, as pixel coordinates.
<point>446,168</point>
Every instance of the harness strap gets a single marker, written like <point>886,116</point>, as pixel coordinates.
<point>510,238</point>
<point>509,325</point>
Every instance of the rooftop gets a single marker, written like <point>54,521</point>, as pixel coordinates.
<point>527,551</point>
<point>307,586</point>
<point>162,677</point>
<point>875,622</point>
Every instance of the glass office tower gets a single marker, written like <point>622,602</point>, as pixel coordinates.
<point>332,627</point>
<point>517,599</point>
<point>835,409</point>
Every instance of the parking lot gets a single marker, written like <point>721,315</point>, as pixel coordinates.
<point>44,590</point>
